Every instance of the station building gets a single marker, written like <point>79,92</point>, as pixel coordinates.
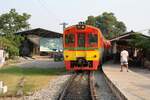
<point>135,54</point>
<point>40,42</point>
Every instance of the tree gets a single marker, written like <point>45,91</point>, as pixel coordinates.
<point>141,42</point>
<point>9,47</point>
<point>91,21</point>
<point>13,22</point>
<point>108,24</point>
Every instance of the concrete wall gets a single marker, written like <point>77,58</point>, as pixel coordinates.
<point>2,57</point>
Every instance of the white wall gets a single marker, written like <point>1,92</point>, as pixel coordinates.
<point>2,57</point>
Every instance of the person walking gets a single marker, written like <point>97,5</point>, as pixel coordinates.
<point>124,55</point>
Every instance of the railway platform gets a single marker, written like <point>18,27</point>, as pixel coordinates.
<point>127,85</point>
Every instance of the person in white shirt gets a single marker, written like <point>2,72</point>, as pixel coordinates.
<point>124,59</point>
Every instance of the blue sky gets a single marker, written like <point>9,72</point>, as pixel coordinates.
<point>49,14</point>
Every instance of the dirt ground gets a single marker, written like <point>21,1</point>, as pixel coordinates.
<point>35,77</point>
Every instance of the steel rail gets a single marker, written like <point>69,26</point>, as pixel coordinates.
<point>65,89</point>
<point>92,89</point>
<point>92,86</point>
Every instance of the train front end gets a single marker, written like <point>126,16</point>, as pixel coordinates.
<point>82,47</point>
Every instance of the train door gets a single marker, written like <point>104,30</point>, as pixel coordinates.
<point>81,40</point>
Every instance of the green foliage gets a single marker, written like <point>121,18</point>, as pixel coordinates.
<point>108,24</point>
<point>13,22</point>
<point>140,41</point>
<point>15,39</point>
<point>91,21</point>
<point>11,44</point>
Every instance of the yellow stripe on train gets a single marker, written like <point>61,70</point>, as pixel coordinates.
<point>89,55</point>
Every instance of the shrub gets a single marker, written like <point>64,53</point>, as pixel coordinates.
<point>11,44</point>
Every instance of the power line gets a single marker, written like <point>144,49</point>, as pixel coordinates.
<point>42,4</point>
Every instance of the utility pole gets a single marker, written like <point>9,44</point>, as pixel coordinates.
<point>64,25</point>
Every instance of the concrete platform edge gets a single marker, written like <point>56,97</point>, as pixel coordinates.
<point>114,89</point>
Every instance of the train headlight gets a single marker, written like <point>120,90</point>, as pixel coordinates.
<point>81,26</point>
<point>67,56</point>
<point>94,56</point>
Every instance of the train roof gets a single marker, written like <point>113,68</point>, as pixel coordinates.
<point>74,26</point>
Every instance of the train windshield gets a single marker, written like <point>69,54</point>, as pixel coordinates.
<point>70,40</point>
<point>92,40</point>
<point>81,39</point>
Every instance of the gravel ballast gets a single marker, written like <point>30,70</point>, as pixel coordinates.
<point>52,91</point>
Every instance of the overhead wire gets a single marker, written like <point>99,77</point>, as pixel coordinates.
<point>47,10</point>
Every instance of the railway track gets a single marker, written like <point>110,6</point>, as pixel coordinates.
<point>79,87</point>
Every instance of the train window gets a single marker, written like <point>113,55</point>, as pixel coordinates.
<point>92,39</point>
<point>81,40</point>
<point>69,39</point>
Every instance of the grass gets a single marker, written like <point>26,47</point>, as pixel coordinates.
<point>35,78</point>
<point>32,71</point>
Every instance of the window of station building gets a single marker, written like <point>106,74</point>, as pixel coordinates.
<point>81,39</point>
<point>70,39</point>
<point>92,39</point>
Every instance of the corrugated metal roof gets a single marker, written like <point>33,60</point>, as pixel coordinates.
<point>41,32</point>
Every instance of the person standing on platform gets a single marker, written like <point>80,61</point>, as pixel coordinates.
<point>124,55</point>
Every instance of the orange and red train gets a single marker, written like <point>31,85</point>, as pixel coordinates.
<point>83,47</point>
